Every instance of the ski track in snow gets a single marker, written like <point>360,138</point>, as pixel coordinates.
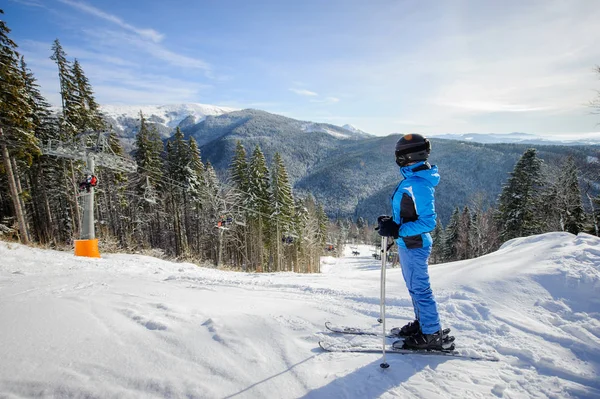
<point>132,326</point>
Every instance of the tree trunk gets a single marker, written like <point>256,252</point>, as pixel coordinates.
<point>15,195</point>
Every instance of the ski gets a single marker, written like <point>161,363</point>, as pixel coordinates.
<point>450,352</point>
<point>361,331</point>
<point>355,331</point>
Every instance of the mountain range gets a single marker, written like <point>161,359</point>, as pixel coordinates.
<point>351,172</point>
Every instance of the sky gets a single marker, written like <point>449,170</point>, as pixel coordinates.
<point>383,66</point>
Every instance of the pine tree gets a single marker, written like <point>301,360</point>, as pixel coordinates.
<point>179,171</point>
<point>282,203</point>
<point>282,199</point>
<point>596,214</point>
<point>570,207</point>
<point>450,252</point>
<point>148,149</point>
<point>520,212</point>
<point>147,154</point>
<point>214,207</point>
<point>111,195</point>
<point>45,174</point>
<point>464,240</point>
<point>90,116</point>
<point>239,171</point>
<point>259,202</point>
<point>437,249</point>
<point>323,221</point>
<point>16,128</point>
<point>71,118</point>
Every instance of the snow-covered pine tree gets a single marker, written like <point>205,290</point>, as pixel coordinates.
<point>259,203</point>
<point>596,214</point>
<point>520,213</point>
<point>45,178</point>
<point>214,208</point>
<point>464,241</point>
<point>300,222</point>
<point>112,201</point>
<point>146,215</point>
<point>282,203</point>
<point>570,209</point>
<point>196,171</point>
<point>238,170</point>
<point>179,172</point>
<point>90,116</point>
<point>323,223</point>
<point>450,252</point>
<point>16,128</point>
<point>71,118</point>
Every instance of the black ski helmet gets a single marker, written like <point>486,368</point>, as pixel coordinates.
<point>412,147</point>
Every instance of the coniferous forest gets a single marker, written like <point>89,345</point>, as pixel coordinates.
<point>170,202</point>
<point>173,204</point>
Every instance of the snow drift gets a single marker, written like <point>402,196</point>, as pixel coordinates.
<point>132,326</point>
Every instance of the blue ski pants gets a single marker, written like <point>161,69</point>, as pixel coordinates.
<point>414,269</point>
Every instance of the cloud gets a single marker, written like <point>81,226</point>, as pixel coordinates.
<point>30,3</point>
<point>304,92</point>
<point>117,39</point>
<point>145,33</point>
<point>114,80</point>
<point>315,97</point>
<point>326,100</point>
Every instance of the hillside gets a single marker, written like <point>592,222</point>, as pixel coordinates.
<point>351,172</point>
<point>135,326</point>
<point>354,174</point>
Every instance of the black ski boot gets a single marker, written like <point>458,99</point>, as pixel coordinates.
<point>408,330</point>
<point>436,341</point>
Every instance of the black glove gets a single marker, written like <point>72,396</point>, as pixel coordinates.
<point>386,227</point>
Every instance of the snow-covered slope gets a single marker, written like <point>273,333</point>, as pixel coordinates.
<point>317,127</point>
<point>168,115</point>
<point>132,326</point>
<point>353,129</point>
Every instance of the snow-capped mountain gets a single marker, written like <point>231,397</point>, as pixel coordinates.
<point>125,119</point>
<point>167,115</point>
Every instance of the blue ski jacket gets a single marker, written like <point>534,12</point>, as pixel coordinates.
<point>413,205</point>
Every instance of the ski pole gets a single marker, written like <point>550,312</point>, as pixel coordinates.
<point>384,364</point>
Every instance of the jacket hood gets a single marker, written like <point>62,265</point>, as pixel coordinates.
<point>430,174</point>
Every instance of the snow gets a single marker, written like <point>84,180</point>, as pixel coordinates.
<point>352,128</point>
<point>313,127</point>
<point>132,326</point>
<point>171,114</point>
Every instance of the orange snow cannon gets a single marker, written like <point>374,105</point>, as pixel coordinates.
<point>87,248</point>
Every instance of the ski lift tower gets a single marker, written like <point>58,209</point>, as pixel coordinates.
<point>93,149</point>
